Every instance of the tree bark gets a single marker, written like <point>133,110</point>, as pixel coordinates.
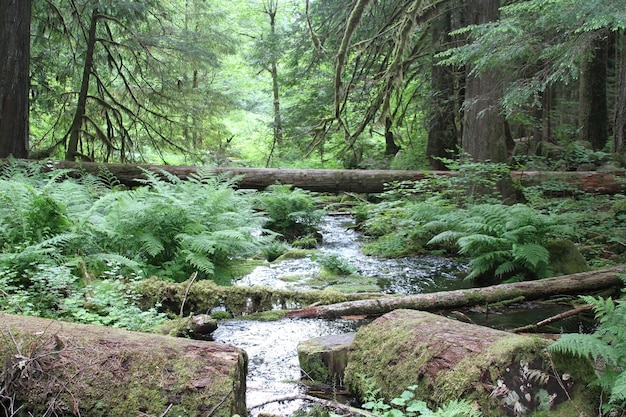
<point>580,283</point>
<point>338,180</point>
<point>81,106</point>
<point>500,373</point>
<point>619,129</point>
<point>483,124</point>
<point>58,368</point>
<point>14,79</point>
<point>442,131</point>
<point>593,110</point>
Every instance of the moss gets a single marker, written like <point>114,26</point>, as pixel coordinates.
<point>295,254</point>
<point>565,258</point>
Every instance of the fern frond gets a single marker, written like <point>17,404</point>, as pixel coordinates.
<point>202,263</point>
<point>151,244</point>
<point>618,389</point>
<point>449,236</point>
<point>587,346</point>
<point>530,255</point>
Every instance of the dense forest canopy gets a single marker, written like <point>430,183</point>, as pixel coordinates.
<point>363,84</point>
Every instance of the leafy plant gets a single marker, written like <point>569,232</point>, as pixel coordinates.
<point>505,241</point>
<point>407,405</point>
<point>292,212</point>
<point>335,263</point>
<point>606,347</point>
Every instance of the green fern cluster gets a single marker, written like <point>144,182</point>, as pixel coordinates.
<point>606,347</point>
<point>292,212</point>
<point>506,242</point>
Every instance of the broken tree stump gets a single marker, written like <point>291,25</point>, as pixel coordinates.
<point>504,374</point>
<point>323,359</point>
<point>58,368</point>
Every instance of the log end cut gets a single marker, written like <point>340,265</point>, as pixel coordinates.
<point>503,374</point>
<point>73,369</point>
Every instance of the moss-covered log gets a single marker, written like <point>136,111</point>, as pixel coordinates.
<point>502,373</point>
<point>580,283</point>
<point>355,180</point>
<point>203,296</point>
<point>66,369</point>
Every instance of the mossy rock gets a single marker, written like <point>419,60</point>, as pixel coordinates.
<point>323,359</point>
<point>504,374</point>
<point>565,259</point>
<point>73,369</point>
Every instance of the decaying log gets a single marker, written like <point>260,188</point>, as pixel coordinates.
<point>580,283</point>
<point>58,368</point>
<point>501,373</point>
<point>357,181</point>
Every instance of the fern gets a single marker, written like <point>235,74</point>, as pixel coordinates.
<point>606,347</point>
<point>505,241</point>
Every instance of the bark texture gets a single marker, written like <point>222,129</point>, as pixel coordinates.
<point>531,290</point>
<point>501,373</point>
<point>338,180</point>
<point>14,79</point>
<point>57,368</point>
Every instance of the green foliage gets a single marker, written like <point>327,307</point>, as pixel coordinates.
<point>606,347</point>
<point>507,242</point>
<point>68,241</point>
<point>335,263</point>
<point>407,405</point>
<point>54,292</point>
<point>292,212</point>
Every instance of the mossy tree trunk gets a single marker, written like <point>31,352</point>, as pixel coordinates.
<point>501,373</point>
<point>56,368</point>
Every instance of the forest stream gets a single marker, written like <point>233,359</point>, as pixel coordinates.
<point>272,346</point>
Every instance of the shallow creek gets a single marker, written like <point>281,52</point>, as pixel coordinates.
<point>271,346</point>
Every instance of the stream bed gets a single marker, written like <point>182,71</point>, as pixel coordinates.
<point>274,370</point>
<point>272,346</point>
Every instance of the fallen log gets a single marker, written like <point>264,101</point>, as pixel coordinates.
<point>57,368</point>
<point>339,180</point>
<point>500,373</point>
<point>580,283</point>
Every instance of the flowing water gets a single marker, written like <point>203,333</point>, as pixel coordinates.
<point>271,346</point>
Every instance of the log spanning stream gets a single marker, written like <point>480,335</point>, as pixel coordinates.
<point>271,346</point>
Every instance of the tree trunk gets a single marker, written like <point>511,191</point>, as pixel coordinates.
<point>58,368</point>
<point>355,180</point>
<point>593,111</point>
<point>442,131</point>
<point>619,129</point>
<point>81,106</point>
<point>14,79</point>
<point>483,124</point>
<point>500,373</point>
<point>580,283</point>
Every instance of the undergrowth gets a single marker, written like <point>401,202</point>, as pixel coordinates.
<point>606,347</point>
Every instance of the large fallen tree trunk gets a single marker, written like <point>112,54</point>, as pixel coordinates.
<point>500,373</point>
<point>580,283</point>
<point>56,368</point>
<point>338,180</point>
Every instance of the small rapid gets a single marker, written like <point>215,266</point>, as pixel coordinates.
<point>272,346</point>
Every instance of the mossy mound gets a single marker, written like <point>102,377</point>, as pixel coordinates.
<point>565,258</point>
<point>66,369</point>
<point>502,373</point>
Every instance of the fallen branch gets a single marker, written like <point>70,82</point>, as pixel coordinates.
<point>552,319</point>
<point>580,283</point>
<point>333,405</point>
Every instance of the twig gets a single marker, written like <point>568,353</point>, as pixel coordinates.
<point>326,403</point>
<point>218,405</point>
<point>182,304</point>
<point>552,319</point>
